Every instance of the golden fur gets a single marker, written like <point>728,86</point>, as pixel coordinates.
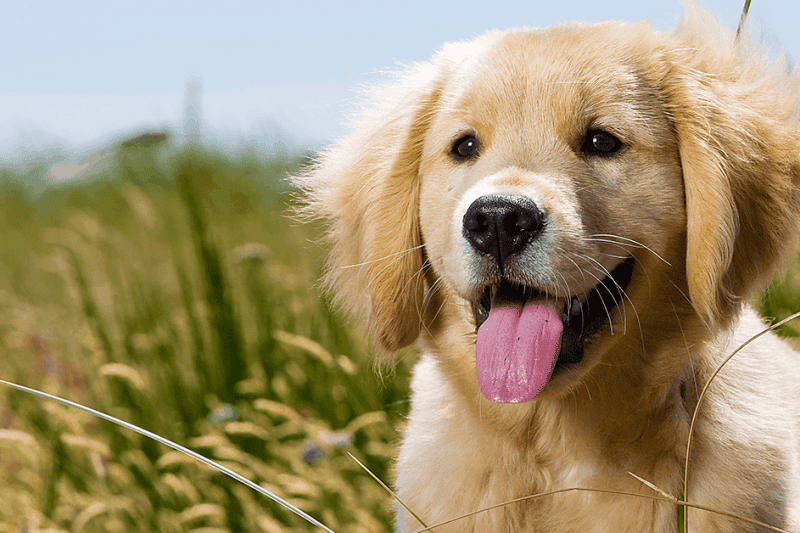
<point>703,196</point>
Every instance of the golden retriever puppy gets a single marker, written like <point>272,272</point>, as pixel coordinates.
<point>569,223</point>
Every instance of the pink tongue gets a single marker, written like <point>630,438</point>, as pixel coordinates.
<point>515,353</point>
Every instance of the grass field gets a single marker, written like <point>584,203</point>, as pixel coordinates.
<point>174,292</point>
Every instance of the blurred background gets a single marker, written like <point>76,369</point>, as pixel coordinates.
<point>149,267</point>
<point>285,74</point>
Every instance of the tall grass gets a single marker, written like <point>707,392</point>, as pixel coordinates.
<point>174,293</point>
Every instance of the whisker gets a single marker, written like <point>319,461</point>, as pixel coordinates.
<point>401,253</point>
<point>602,301</point>
<point>625,295</point>
<point>688,350</point>
<point>566,284</point>
<point>685,344</point>
<point>622,257</point>
<point>567,289</point>
<point>441,306</point>
<point>399,257</point>
<point>708,326</point>
<point>426,302</point>
<point>568,258</point>
<point>632,242</point>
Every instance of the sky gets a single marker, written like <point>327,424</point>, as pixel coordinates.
<point>79,75</point>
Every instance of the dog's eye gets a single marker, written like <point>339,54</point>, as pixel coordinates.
<point>600,143</point>
<point>465,148</point>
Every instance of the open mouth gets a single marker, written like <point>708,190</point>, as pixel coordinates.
<point>525,336</point>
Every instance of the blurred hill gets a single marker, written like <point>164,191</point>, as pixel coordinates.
<point>36,148</point>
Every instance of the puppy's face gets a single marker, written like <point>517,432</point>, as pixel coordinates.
<point>552,208</point>
<point>550,184</point>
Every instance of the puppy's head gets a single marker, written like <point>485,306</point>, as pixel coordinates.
<point>554,190</point>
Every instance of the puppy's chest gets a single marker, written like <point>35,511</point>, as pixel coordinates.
<point>497,490</point>
<point>534,501</point>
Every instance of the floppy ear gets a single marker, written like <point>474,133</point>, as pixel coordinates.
<point>735,118</point>
<point>366,188</point>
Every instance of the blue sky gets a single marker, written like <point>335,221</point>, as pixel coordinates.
<point>79,74</point>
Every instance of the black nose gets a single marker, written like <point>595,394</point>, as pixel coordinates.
<point>502,225</point>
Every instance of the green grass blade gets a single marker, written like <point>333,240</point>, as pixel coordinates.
<point>743,18</point>
<point>231,364</point>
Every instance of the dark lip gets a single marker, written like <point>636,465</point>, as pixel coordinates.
<point>583,318</point>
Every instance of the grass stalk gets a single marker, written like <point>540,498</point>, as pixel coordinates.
<point>166,442</point>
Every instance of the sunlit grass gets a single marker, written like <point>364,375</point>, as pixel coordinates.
<point>178,296</point>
